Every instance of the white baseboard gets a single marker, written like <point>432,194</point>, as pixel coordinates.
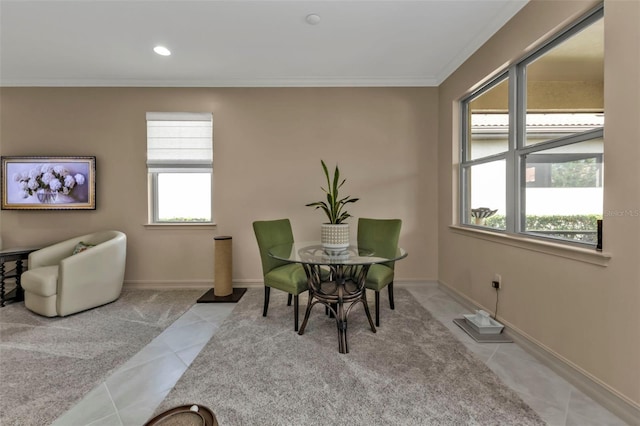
<point>184,284</point>
<point>591,386</point>
<point>415,283</point>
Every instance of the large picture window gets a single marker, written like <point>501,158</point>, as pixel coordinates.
<point>532,141</point>
<point>179,164</point>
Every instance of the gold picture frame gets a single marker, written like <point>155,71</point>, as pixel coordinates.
<point>48,183</point>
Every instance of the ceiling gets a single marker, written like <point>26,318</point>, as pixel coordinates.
<point>240,43</point>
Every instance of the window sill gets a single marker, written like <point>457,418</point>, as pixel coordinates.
<point>553,249</point>
<point>179,225</point>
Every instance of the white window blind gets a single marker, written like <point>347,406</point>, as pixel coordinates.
<point>179,140</point>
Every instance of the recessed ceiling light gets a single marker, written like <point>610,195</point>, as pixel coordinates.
<point>161,50</point>
<point>313,19</point>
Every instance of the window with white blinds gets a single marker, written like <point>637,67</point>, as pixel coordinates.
<point>179,165</point>
<point>179,140</point>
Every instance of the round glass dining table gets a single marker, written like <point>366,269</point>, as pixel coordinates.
<point>336,278</point>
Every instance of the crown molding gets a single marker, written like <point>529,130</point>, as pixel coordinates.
<point>264,82</point>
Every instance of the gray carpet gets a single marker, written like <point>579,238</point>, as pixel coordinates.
<point>48,364</point>
<point>413,371</point>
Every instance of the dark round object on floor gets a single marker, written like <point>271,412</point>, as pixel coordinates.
<point>185,415</point>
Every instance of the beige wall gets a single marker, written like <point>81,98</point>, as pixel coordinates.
<point>586,314</point>
<point>267,149</point>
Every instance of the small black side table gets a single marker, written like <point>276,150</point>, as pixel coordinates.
<point>17,255</point>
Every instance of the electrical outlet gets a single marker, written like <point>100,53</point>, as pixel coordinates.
<point>497,281</point>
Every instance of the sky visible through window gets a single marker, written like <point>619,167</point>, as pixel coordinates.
<point>184,197</point>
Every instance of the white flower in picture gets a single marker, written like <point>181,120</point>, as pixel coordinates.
<point>47,177</point>
<point>33,173</point>
<point>55,184</point>
<point>69,182</point>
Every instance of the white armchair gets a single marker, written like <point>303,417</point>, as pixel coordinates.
<point>60,283</point>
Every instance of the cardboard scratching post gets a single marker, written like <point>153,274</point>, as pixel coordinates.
<point>222,290</point>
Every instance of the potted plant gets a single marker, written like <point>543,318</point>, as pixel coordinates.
<point>481,213</point>
<point>335,233</point>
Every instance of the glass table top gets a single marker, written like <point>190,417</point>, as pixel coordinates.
<point>313,253</point>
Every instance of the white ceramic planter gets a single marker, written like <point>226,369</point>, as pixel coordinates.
<point>334,236</point>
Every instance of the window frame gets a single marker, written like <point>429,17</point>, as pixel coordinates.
<point>188,166</point>
<point>517,150</point>
<point>465,151</point>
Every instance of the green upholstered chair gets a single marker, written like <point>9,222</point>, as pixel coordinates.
<point>381,236</point>
<point>289,277</point>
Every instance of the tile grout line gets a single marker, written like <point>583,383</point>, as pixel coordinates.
<point>567,408</point>
<point>495,351</point>
<point>113,403</point>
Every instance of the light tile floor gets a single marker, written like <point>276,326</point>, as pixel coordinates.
<point>557,401</point>
<point>130,396</point>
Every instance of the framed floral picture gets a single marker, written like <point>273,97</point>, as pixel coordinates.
<point>48,183</point>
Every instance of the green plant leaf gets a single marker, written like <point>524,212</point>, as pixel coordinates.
<point>333,206</point>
